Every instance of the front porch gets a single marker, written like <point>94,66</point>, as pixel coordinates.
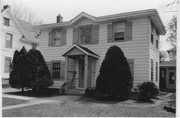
<point>80,67</point>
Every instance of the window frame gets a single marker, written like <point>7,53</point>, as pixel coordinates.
<point>114,32</point>
<point>6,66</point>
<point>52,70</point>
<point>152,70</point>
<point>157,72</point>
<point>157,40</point>
<point>11,40</point>
<point>6,21</point>
<point>152,34</point>
<point>60,39</point>
<point>91,30</point>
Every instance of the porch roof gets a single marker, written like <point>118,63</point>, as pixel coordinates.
<point>168,63</point>
<point>85,50</point>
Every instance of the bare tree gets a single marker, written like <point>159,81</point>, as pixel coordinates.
<point>172,31</point>
<point>24,13</point>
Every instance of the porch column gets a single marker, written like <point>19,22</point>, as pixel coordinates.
<point>66,68</point>
<point>85,71</point>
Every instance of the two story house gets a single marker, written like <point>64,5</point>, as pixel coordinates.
<point>79,45</point>
<point>15,34</point>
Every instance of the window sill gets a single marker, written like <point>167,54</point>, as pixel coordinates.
<point>114,41</point>
<point>56,45</point>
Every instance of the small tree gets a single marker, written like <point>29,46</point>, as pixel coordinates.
<point>115,76</point>
<point>29,70</point>
<point>14,80</point>
<point>18,74</point>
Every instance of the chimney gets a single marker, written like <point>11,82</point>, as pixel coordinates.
<point>59,18</point>
<point>6,7</point>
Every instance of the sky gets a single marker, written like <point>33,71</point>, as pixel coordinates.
<point>47,10</point>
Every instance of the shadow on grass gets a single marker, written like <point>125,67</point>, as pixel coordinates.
<point>30,93</point>
<point>104,100</point>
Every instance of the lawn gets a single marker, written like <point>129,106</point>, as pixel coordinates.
<point>80,106</point>
<point>12,101</point>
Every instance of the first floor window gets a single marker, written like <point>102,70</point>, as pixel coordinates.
<point>7,64</point>
<point>171,77</point>
<point>56,70</point>
<point>152,70</point>
<point>157,71</point>
<point>119,31</point>
<point>8,42</point>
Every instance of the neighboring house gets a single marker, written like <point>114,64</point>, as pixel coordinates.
<point>168,71</point>
<point>168,75</point>
<point>172,53</point>
<point>81,44</point>
<point>15,34</point>
<point>168,55</point>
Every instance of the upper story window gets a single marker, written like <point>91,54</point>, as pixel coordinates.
<point>85,34</point>
<point>6,21</point>
<point>152,34</point>
<point>157,41</point>
<point>119,31</point>
<point>8,42</point>
<point>57,37</point>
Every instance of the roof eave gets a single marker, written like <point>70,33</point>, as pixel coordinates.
<point>74,45</point>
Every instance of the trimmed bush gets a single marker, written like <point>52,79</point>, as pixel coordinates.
<point>115,78</point>
<point>148,90</point>
<point>42,83</point>
<point>89,92</point>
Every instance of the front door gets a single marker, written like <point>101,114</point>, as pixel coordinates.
<point>81,73</point>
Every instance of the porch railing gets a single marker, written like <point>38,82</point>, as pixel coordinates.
<point>67,85</point>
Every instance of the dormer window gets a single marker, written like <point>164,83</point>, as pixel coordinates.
<point>85,34</point>
<point>6,21</point>
<point>119,31</point>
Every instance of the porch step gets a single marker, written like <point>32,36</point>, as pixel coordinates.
<point>56,84</point>
<point>76,92</point>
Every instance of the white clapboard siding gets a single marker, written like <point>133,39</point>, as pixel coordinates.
<point>137,48</point>
<point>16,43</point>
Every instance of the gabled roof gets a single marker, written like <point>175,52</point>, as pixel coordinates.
<point>151,13</point>
<point>83,49</point>
<point>82,15</point>
<point>24,27</point>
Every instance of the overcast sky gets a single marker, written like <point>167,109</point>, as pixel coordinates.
<point>47,10</point>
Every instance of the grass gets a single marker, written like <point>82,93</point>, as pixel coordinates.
<point>76,106</point>
<point>12,101</point>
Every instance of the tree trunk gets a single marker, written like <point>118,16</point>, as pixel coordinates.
<point>22,89</point>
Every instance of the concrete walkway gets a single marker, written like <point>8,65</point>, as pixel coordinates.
<point>31,100</point>
<point>30,103</point>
